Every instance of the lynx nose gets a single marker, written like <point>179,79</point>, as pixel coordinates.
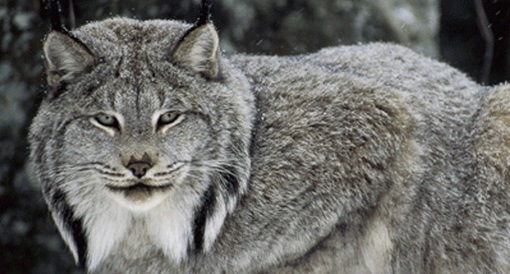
<point>139,167</point>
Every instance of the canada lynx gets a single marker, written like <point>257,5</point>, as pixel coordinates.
<point>159,154</point>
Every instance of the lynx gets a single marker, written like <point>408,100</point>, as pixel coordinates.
<point>158,153</point>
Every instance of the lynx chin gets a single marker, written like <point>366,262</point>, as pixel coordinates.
<point>157,153</point>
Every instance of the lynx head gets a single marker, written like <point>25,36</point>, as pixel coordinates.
<point>144,122</point>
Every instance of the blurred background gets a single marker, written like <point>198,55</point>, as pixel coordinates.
<point>471,35</point>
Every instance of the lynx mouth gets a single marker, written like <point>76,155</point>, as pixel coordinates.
<point>139,191</point>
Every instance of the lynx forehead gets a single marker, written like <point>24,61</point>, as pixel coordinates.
<point>158,154</point>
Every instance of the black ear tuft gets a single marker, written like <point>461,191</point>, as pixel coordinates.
<point>55,11</point>
<point>204,16</point>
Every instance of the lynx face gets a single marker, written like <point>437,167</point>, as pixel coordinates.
<point>141,125</point>
<point>148,181</point>
<point>137,151</point>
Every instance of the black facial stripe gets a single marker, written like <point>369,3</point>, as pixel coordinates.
<point>229,178</point>
<point>71,224</point>
<point>59,136</point>
<point>38,152</point>
<point>137,101</point>
<point>256,124</point>
<point>205,211</point>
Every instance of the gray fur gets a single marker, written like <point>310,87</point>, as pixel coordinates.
<point>364,158</point>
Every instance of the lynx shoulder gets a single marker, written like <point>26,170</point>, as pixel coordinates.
<point>158,153</point>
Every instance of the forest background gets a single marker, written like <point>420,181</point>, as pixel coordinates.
<point>471,35</point>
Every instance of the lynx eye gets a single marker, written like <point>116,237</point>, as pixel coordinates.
<point>107,120</point>
<point>168,118</point>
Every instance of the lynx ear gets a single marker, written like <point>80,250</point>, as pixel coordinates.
<point>198,51</point>
<point>65,56</point>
